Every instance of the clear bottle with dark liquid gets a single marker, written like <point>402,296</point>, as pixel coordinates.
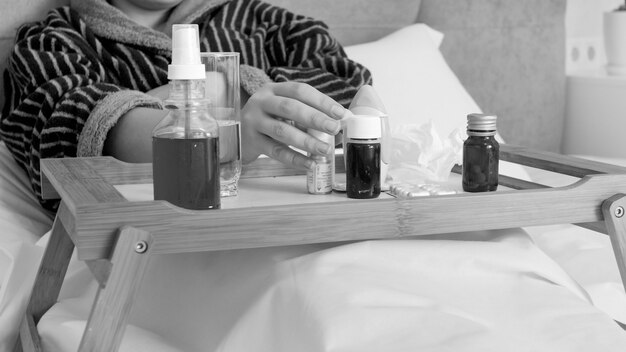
<point>185,144</point>
<point>185,147</point>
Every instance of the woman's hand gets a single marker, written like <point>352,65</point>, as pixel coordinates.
<point>270,117</point>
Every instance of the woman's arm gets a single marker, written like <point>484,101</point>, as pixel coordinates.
<point>55,85</point>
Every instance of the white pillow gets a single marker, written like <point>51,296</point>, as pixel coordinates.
<point>414,80</point>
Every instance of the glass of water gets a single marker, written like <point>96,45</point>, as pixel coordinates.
<point>222,88</point>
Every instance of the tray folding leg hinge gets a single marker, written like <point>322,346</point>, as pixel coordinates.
<point>614,211</point>
<point>109,313</point>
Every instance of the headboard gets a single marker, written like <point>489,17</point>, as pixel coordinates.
<point>509,54</point>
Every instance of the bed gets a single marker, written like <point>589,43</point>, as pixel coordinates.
<point>534,288</point>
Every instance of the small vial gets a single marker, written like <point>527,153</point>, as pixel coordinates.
<point>320,179</point>
<point>480,154</point>
<point>362,153</point>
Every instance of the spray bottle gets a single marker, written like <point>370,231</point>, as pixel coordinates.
<point>185,144</point>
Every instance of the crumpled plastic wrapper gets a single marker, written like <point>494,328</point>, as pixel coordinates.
<point>420,155</point>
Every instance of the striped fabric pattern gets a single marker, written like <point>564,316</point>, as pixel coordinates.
<point>60,70</point>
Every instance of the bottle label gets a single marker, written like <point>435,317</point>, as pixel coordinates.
<point>320,180</point>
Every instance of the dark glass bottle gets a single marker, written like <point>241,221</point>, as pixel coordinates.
<point>362,153</point>
<point>480,154</point>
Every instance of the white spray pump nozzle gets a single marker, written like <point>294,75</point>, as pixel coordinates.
<point>186,62</point>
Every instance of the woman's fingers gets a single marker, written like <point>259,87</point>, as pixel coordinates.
<point>284,154</point>
<point>310,96</point>
<point>302,114</point>
<point>287,134</point>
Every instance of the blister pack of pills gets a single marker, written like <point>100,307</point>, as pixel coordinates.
<point>420,190</point>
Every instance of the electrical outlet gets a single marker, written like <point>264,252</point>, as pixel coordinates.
<point>585,53</point>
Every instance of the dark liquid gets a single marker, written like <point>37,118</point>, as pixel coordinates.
<point>186,172</point>
<point>363,170</point>
<point>480,164</point>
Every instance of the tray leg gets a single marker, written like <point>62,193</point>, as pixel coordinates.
<point>109,313</point>
<point>614,211</point>
<point>47,286</point>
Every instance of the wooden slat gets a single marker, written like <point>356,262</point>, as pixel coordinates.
<point>563,164</point>
<point>614,210</point>
<point>18,343</point>
<point>74,180</point>
<point>175,229</point>
<point>109,314</point>
<point>507,181</point>
<point>51,271</point>
<point>29,340</point>
<point>514,183</point>
<point>117,172</point>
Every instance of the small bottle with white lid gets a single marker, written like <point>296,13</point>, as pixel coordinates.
<point>362,153</point>
<point>320,179</point>
<point>480,154</point>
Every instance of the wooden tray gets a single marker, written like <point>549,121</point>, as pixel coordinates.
<point>116,236</point>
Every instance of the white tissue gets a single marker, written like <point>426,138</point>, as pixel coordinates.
<point>420,155</point>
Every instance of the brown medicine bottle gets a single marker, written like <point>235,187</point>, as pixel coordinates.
<point>480,154</point>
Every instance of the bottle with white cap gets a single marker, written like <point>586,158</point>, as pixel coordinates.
<point>185,144</point>
<point>367,102</point>
<point>480,154</point>
<point>362,153</point>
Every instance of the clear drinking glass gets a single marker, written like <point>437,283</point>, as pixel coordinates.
<point>222,89</point>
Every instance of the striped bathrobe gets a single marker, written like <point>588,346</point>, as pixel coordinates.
<point>70,78</point>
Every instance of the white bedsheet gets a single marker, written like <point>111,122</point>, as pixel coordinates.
<point>495,291</point>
